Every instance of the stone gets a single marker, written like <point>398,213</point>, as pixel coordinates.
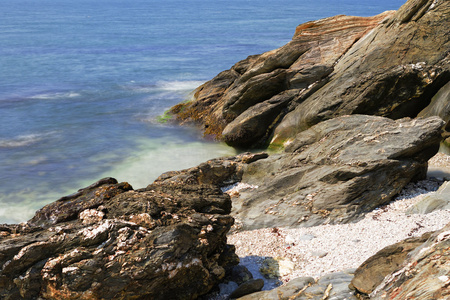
<point>292,288</point>
<point>434,201</point>
<point>424,274</point>
<point>248,287</point>
<point>386,65</point>
<point>371,273</point>
<point>108,241</point>
<point>245,103</point>
<point>332,286</point>
<point>336,171</point>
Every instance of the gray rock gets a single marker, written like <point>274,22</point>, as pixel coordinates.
<point>385,65</point>
<point>332,286</point>
<point>423,274</point>
<point>292,288</point>
<point>248,287</point>
<point>440,105</point>
<point>433,201</point>
<point>336,171</point>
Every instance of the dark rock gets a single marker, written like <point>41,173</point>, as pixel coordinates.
<point>393,71</point>
<point>248,287</point>
<point>336,171</point>
<point>241,274</point>
<point>219,171</point>
<point>424,274</point>
<point>111,242</point>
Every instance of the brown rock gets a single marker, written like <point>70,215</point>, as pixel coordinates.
<point>301,66</point>
<point>111,242</point>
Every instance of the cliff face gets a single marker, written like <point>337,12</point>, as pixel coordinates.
<point>389,65</point>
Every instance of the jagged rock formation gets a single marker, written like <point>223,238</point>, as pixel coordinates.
<point>388,65</point>
<point>111,242</point>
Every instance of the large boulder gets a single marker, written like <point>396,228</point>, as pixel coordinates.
<point>388,65</point>
<point>108,241</point>
<point>336,171</point>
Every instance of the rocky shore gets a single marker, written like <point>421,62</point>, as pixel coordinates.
<point>338,205</point>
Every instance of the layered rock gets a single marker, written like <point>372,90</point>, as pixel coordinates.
<point>248,99</point>
<point>333,172</point>
<point>336,171</point>
<point>111,242</point>
<point>411,269</point>
<point>388,65</point>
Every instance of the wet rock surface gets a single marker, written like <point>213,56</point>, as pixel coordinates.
<point>107,241</point>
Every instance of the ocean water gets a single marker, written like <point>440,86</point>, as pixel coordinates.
<point>83,82</point>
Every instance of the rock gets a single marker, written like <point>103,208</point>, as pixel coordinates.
<point>241,274</point>
<point>249,99</point>
<point>336,171</point>
<point>319,253</point>
<point>293,287</point>
<point>424,274</point>
<point>434,201</point>
<point>371,273</point>
<point>270,268</point>
<point>111,242</point>
<point>248,287</point>
<point>389,65</point>
<point>393,71</point>
<point>439,106</point>
<point>332,286</point>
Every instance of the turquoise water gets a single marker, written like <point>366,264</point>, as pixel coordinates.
<point>82,83</point>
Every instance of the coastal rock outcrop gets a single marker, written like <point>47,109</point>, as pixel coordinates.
<point>109,241</point>
<point>336,171</point>
<point>331,173</point>
<point>389,65</point>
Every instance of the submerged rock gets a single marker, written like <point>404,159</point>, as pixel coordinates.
<point>107,241</point>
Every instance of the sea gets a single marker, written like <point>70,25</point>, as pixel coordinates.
<point>83,83</point>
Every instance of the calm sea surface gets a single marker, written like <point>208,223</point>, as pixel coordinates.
<point>82,83</point>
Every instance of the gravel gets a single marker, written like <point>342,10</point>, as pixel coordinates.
<point>324,249</point>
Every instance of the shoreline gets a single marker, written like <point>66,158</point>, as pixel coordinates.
<point>320,250</point>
